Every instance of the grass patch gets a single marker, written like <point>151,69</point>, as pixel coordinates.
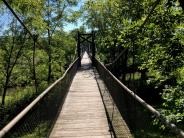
<point>137,76</point>
<point>38,132</point>
<point>16,100</point>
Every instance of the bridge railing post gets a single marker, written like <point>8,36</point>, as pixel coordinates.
<point>78,48</point>
<point>93,48</point>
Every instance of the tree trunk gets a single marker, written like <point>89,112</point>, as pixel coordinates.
<point>49,44</point>
<point>5,89</point>
<point>8,68</point>
<point>34,68</point>
<point>125,61</point>
<point>50,58</point>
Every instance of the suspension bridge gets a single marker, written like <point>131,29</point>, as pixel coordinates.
<point>83,113</point>
<point>88,101</point>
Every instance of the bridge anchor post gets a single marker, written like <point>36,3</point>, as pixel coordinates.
<point>78,48</point>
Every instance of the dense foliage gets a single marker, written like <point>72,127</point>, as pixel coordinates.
<point>152,31</point>
<point>34,55</point>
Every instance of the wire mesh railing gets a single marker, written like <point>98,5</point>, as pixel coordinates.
<point>142,119</point>
<point>37,119</point>
<point>25,58</point>
<point>114,117</point>
<point>15,83</point>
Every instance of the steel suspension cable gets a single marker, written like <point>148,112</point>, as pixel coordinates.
<point>21,22</point>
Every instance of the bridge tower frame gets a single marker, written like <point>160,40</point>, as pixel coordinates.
<point>81,39</point>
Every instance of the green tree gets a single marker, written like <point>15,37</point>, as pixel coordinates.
<point>56,13</point>
<point>152,31</point>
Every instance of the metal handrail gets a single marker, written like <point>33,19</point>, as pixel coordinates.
<point>156,113</point>
<point>16,16</point>
<point>25,111</point>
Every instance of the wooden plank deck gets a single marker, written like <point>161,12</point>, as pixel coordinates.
<point>83,114</point>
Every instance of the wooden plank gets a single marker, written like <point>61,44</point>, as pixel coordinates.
<point>83,114</point>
